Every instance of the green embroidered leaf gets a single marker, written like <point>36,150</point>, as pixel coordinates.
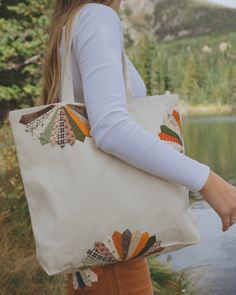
<point>45,136</point>
<point>167,130</point>
<point>77,132</point>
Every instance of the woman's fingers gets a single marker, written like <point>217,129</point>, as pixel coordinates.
<point>221,196</point>
<point>225,218</point>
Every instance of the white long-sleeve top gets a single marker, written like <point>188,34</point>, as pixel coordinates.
<point>99,83</point>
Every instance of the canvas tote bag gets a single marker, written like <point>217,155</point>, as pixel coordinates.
<point>89,208</point>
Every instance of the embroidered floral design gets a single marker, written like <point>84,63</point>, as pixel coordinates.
<point>172,130</point>
<point>116,247</point>
<point>58,125</point>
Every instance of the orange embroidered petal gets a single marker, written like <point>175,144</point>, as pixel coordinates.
<point>82,125</point>
<point>143,240</point>
<point>177,118</point>
<point>168,137</point>
<point>117,239</point>
<point>80,109</point>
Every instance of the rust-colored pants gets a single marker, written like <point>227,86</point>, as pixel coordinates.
<point>131,277</point>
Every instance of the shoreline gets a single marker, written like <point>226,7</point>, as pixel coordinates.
<point>208,109</point>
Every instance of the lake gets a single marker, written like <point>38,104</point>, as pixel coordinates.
<point>210,139</point>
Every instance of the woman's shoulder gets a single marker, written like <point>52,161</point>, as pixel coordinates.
<point>99,8</point>
<point>99,22</point>
<point>97,14</point>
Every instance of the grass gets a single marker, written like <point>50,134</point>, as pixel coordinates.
<point>207,108</point>
<point>21,273</point>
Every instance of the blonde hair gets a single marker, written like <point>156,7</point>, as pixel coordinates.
<point>63,13</point>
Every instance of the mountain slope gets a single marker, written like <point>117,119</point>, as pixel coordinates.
<point>170,19</point>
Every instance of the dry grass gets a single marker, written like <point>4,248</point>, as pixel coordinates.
<point>215,108</point>
<point>20,272</point>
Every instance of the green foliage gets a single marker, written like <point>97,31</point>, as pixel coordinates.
<point>183,67</point>
<point>175,66</point>
<point>143,58</point>
<point>22,40</point>
<point>10,180</point>
<point>167,281</point>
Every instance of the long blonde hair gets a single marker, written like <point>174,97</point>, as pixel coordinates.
<point>63,13</point>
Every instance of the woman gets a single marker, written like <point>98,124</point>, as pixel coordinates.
<point>98,82</point>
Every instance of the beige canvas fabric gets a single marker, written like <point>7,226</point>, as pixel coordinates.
<point>78,195</point>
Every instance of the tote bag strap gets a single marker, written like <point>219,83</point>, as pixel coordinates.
<point>67,92</point>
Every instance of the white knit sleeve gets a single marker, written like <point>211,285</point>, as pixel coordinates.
<point>98,48</point>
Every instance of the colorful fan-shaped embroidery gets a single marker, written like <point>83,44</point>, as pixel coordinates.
<point>172,130</point>
<point>58,125</point>
<point>116,247</point>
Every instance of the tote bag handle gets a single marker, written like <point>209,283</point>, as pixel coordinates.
<point>67,92</point>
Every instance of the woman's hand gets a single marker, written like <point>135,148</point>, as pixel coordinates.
<point>221,196</point>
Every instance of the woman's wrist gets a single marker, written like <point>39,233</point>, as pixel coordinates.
<point>212,182</point>
<point>208,183</point>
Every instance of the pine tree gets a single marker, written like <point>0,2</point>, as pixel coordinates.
<point>233,88</point>
<point>158,76</point>
<point>143,57</point>
<point>190,84</point>
<point>22,42</point>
